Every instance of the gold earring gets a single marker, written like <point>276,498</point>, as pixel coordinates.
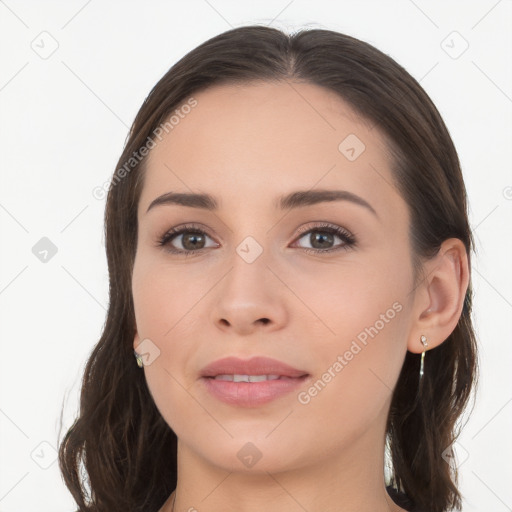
<point>139,359</point>
<point>423,340</point>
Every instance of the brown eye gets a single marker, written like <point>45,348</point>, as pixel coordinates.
<point>185,240</point>
<point>322,238</point>
<point>191,241</point>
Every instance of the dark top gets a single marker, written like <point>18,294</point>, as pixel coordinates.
<point>402,500</point>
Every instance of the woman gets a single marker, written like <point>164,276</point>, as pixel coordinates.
<point>289,257</point>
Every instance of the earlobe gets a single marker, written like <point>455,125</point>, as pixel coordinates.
<point>138,357</point>
<point>440,297</point>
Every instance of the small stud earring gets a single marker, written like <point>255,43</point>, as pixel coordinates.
<point>140,363</point>
<point>423,340</point>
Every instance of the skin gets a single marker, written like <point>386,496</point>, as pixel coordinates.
<point>247,145</point>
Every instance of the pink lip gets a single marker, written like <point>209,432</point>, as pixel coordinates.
<point>253,366</point>
<point>250,394</point>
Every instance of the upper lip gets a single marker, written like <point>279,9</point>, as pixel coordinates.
<point>253,366</point>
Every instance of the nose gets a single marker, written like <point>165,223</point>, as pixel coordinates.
<point>249,298</point>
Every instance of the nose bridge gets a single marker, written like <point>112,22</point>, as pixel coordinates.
<point>248,264</point>
<point>250,240</point>
<point>251,249</point>
<point>255,245</point>
<point>248,294</point>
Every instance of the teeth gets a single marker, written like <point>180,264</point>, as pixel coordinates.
<point>247,378</point>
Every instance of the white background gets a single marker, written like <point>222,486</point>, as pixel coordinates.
<point>64,120</point>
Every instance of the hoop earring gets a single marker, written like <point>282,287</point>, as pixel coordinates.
<point>423,340</point>
<point>138,357</point>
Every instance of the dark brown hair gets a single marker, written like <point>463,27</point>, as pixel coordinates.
<point>120,454</point>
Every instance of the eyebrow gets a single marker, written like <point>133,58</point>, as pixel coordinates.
<point>297,199</point>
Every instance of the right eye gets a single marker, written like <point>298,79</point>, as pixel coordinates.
<point>190,237</point>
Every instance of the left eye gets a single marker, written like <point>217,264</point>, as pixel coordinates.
<point>322,237</point>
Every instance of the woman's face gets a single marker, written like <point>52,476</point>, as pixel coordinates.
<point>251,278</point>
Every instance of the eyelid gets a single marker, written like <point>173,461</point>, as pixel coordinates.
<point>318,225</point>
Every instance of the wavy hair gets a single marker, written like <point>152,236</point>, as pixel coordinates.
<point>120,454</point>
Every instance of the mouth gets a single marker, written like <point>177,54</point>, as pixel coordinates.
<point>251,383</point>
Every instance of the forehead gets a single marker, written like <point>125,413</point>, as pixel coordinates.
<point>247,142</point>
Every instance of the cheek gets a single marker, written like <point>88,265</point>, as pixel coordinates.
<point>164,298</point>
<point>353,386</point>
<point>364,314</point>
<point>164,302</point>
<point>360,296</point>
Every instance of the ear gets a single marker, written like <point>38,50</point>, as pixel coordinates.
<point>439,298</point>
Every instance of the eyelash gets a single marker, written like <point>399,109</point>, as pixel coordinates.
<point>347,237</point>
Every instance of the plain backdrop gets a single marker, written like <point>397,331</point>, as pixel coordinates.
<point>72,77</point>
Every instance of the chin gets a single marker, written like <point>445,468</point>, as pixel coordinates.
<point>252,455</point>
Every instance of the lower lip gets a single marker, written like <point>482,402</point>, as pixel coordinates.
<point>251,394</point>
